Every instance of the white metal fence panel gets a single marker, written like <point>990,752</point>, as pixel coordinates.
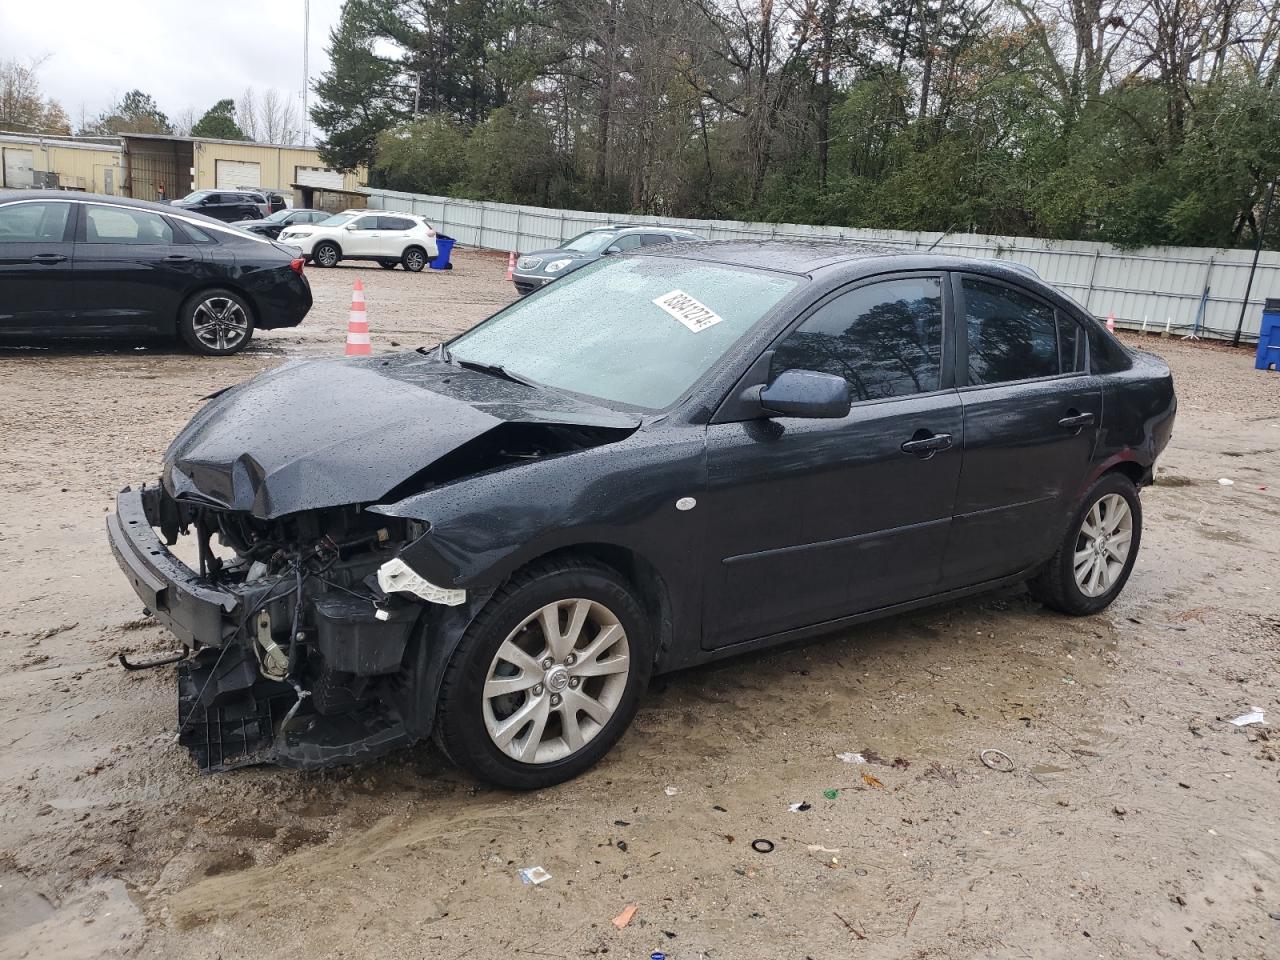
<point>1183,289</point>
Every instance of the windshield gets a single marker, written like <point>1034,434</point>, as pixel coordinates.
<point>593,241</point>
<point>638,331</point>
<point>280,215</point>
<point>336,220</point>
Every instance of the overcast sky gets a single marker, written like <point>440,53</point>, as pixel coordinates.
<point>184,54</point>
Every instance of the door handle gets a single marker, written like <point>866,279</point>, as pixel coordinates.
<point>48,258</point>
<point>177,258</point>
<point>1074,420</point>
<point>924,444</point>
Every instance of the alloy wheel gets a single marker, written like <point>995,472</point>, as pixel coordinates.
<point>1102,545</point>
<point>556,681</point>
<point>413,260</point>
<point>220,323</point>
<point>327,256</point>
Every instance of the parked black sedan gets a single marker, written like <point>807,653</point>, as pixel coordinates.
<point>80,265</point>
<point>663,459</point>
<point>537,269</point>
<point>272,225</point>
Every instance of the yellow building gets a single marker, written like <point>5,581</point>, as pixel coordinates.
<point>183,164</point>
<point>95,165</point>
<point>151,166</point>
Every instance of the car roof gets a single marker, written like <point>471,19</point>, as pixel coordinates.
<point>848,258</point>
<point>7,196</point>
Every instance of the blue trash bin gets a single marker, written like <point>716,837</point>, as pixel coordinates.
<point>444,246</point>
<point>1269,337</point>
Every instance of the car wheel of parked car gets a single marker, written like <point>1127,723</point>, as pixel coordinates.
<point>1097,555</point>
<point>216,322</point>
<point>388,264</point>
<point>414,259</point>
<point>326,254</point>
<point>547,677</point>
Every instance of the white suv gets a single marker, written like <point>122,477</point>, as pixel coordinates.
<point>384,236</point>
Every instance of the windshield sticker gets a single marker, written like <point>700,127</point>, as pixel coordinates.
<point>694,315</point>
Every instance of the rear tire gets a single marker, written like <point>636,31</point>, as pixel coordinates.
<point>326,254</point>
<point>1094,560</point>
<point>216,323</point>
<point>414,259</point>
<point>511,720</point>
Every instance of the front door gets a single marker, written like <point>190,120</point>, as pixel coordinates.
<point>363,237</point>
<point>131,271</point>
<point>35,263</point>
<point>1031,415</point>
<point>812,520</point>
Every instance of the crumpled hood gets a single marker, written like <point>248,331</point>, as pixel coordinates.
<point>323,433</point>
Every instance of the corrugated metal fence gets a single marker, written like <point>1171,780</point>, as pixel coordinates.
<point>1187,289</point>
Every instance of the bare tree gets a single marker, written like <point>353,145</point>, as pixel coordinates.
<point>268,117</point>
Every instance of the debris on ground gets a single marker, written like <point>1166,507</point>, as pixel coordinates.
<point>870,756</point>
<point>800,807</point>
<point>937,771</point>
<point>871,781</point>
<point>996,760</point>
<point>831,793</point>
<point>762,845</point>
<point>671,791</point>
<point>622,919</point>
<point>1225,482</point>
<point>534,875</point>
<point>1255,715</point>
<point>851,757</point>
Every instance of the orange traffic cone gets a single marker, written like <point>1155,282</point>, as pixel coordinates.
<point>1111,322</point>
<point>358,325</point>
<point>511,265</point>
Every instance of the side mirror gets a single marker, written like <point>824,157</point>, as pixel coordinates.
<point>803,393</point>
<point>612,249</point>
<point>350,226</point>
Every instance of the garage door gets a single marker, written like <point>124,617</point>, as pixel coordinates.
<point>230,174</point>
<point>18,165</point>
<point>318,177</point>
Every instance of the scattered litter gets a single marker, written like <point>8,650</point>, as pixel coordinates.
<point>1255,716</point>
<point>819,848</point>
<point>1225,482</point>
<point>870,756</point>
<point>1195,613</point>
<point>658,954</point>
<point>831,793</point>
<point>762,845</point>
<point>850,927</point>
<point>1119,811</point>
<point>719,808</point>
<point>871,781</point>
<point>851,758</point>
<point>1069,681</point>
<point>671,791</point>
<point>997,760</point>
<point>622,845</point>
<point>622,823</point>
<point>622,919</point>
<point>534,875</point>
<point>800,807</point>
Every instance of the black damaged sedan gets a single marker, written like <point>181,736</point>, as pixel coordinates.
<point>662,459</point>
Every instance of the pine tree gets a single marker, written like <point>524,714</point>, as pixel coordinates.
<point>219,122</point>
<point>357,93</point>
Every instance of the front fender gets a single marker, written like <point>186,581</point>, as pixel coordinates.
<point>482,528</point>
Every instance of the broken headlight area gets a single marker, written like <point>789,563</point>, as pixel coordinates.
<point>298,649</point>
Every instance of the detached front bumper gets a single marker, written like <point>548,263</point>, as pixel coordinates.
<point>199,614</point>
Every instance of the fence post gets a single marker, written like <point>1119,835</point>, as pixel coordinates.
<point>519,236</point>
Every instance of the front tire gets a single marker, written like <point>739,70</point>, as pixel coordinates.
<point>326,254</point>
<point>547,677</point>
<point>1095,558</point>
<point>216,322</point>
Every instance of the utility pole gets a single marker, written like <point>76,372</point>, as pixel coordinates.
<point>1257,249</point>
<point>306,69</point>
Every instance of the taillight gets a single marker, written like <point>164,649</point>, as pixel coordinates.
<point>297,265</point>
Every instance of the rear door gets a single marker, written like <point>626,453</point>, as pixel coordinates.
<point>35,262</point>
<point>1031,416</point>
<point>132,270</point>
<point>395,235</point>
<point>810,520</point>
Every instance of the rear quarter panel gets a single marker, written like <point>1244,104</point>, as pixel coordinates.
<point>1139,405</point>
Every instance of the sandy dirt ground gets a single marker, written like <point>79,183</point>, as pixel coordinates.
<point>1136,821</point>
